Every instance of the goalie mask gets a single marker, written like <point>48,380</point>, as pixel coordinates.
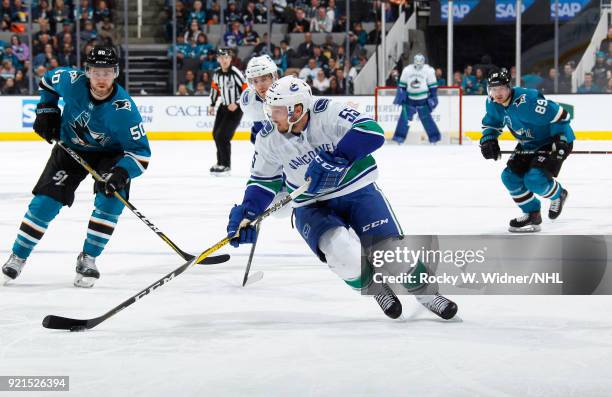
<point>419,61</point>
<point>282,98</point>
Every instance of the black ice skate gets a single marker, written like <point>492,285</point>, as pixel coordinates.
<point>86,271</point>
<point>556,206</point>
<point>528,223</point>
<point>439,305</point>
<point>389,302</point>
<point>12,268</point>
<point>220,170</point>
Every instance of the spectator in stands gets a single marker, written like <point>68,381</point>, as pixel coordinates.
<point>300,24</point>
<point>469,81</point>
<point>102,11</point>
<point>201,90</point>
<point>340,58</point>
<point>279,8</point>
<point>605,43</point>
<point>600,70</point>
<point>280,60</point>
<point>21,85</point>
<point>374,36</point>
<point>67,56</point>
<point>565,80</point>
<point>440,80</point>
<point>182,90</point>
<point>513,81</point>
<point>362,36</point>
<point>250,36</point>
<point>192,34</point>
<point>9,87</point>
<point>190,81</point>
<point>106,31</point>
<point>331,67</point>
<point>330,48</point>
<point>287,52</point>
<point>60,15</point>
<point>8,70</point>
<point>181,20</point>
<point>548,85</point>
<point>340,25</point>
<point>393,78</point>
<point>321,23</point>
<point>42,12</point>
<point>89,32</point>
<point>262,47</point>
<point>358,64</point>
<point>341,81</point>
<point>334,88</point>
<point>251,15</point>
<point>213,11</point>
<point>58,40</point>
<point>234,37</point>
<point>20,12</point>
<point>43,58</point>
<point>203,47</point>
<point>304,50</point>
<point>457,79</point>
<point>198,14</point>
<point>44,30</point>
<point>332,10</point>
<point>485,64</point>
<point>39,72</point>
<point>311,10</point>
<point>207,81</point>
<point>232,14</point>
<point>85,10</point>
<point>8,54</point>
<point>310,70</point>
<point>320,59</point>
<point>320,83</point>
<point>182,49</point>
<point>42,41</point>
<point>54,63</point>
<point>6,10</point>
<point>210,63</point>
<point>588,87</point>
<point>480,87</point>
<point>21,50</point>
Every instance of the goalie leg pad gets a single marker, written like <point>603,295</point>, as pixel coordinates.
<point>429,124</point>
<point>401,129</point>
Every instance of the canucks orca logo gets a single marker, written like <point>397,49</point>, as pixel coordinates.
<point>293,87</point>
<point>266,128</point>
<point>122,104</point>
<point>415,83</point>
<point>520,100</point>
<point>245,97</point>
<point>83,133</point>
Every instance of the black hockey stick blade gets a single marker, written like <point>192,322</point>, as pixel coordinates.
<point>214,260</point>
<point>71,324</point>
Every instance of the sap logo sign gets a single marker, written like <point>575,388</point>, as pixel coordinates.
<point>460,9</point>
<point>506,9</point>
<point>28,111</point>
<point>568,9</point>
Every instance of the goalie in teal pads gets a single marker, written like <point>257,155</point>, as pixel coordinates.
<point>545,137</point>
<point>102,124</point>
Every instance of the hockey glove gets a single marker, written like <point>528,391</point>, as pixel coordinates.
<point>560,149</point>
<point>248,234</point>
<point>400,96</point>
<point>325,172</point>
<point>48,122</point>
<point>116,180</point>
<point>489,147</point>
<point>432,101</point>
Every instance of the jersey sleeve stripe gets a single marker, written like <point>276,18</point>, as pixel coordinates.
<point>45,86</point>
<point>269,186</point>
<point>142,165</point>
<point>266,178</point>
<point>369,127</point>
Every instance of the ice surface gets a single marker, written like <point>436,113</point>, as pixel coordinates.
<point>300,331</point>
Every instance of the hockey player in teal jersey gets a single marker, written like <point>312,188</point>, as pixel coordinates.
<point>545,137</point>
<point>102,124</point>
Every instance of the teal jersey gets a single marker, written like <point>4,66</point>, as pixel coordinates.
<point>110,125</point>
<point>532,119</point>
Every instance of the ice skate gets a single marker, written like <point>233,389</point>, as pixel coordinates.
<point>527,223</point>
<point>556,206</point>
<point>12,268</point>
<point>86,271</point>
<point>439,305</point>
<point>389,302</point>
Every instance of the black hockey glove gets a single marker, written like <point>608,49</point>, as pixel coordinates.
<point>116,180</point>
<point>559,151</point>
<point>48,122</point>
<point>489,147</point>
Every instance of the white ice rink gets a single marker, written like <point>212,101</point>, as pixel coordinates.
<point>300,331</point>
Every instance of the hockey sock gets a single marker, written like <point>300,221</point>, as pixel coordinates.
<point>102,224</point>
<point>41,211</point>
<point>554,191</point>
<point>526,200</point>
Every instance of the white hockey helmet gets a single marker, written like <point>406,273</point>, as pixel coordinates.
<point>419,61</point>
<point>261,66</point>
<point>288,91</point>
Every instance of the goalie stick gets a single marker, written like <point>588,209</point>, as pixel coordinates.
<point>206,261</point>
<point>72,324</point>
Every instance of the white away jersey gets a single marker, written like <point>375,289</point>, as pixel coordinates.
<point>418,82</point>
<point>252,105</point>
<point>277,154</point>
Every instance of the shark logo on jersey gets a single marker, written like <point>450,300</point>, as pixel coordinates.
<point>81,129</point>
<point>122,104</point>
<point>520,100</point>
<point>74,76</point>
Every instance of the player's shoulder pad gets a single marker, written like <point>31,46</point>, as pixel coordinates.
<point>320,105</point>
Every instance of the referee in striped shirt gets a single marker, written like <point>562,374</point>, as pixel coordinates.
<point>227,84</point>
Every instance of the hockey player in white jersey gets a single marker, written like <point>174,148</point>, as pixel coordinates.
<point>260,72</point>
<point>330,144</point>
<point>417,93</point>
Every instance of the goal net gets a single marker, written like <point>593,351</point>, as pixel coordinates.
<point>447,115</point>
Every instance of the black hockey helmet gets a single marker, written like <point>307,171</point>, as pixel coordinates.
<point>225,51</point>
<point>103,57</point>
<point>498,77</point>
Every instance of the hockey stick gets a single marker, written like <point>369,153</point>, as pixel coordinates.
<point>248,266</point>
<point>573,152</point>
<point>209,261</point>
<point>72,324</point>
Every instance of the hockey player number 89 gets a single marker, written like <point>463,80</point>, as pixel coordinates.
<point>542,106</point>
